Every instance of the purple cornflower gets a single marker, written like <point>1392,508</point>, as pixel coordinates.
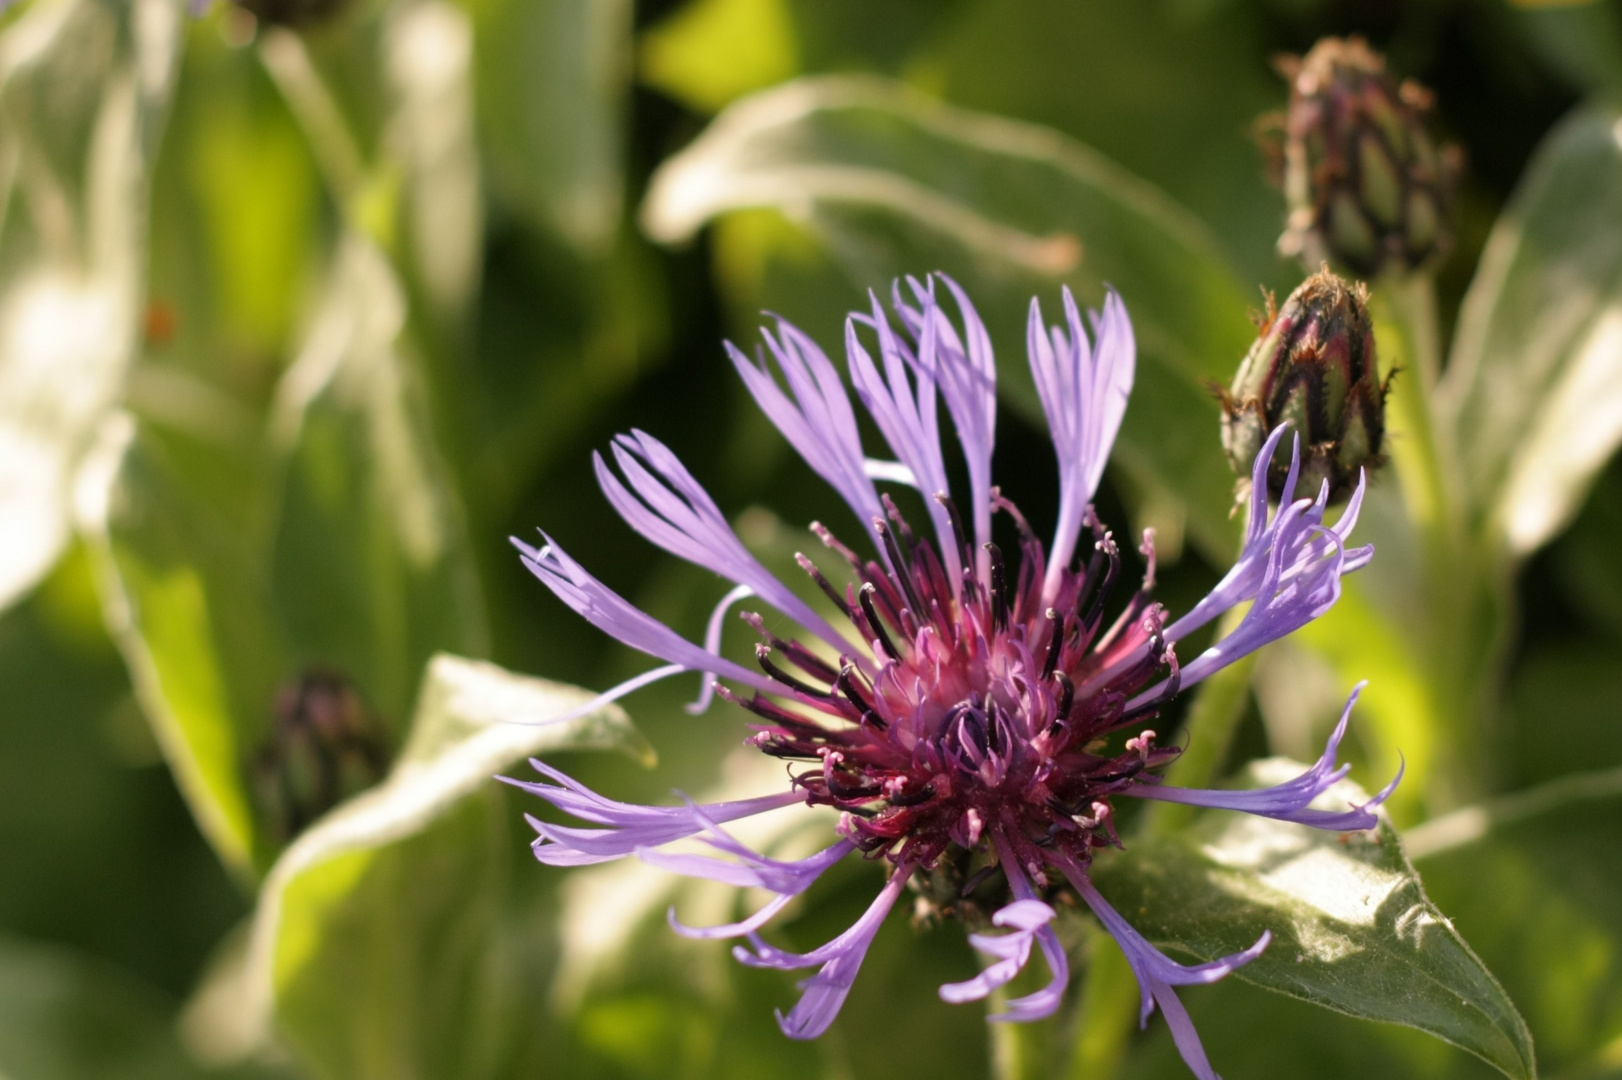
<point>959,717</point>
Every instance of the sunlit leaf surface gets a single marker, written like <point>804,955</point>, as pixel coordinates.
<point>84,85</point>
<point>192,614</point>
<point>373,942</point>
<point>552,80</point>
<point>1534,877</point>
<point>893,183</point>
<point>1534,387</point>
<point>1352,927</point>
<point>371,566</point>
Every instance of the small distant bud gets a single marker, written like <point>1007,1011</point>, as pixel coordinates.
<point>1314,367</point>
<point>1367,188</point>
<point>292,13</point>
<point>326,746</point>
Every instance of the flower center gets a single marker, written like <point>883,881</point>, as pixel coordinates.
<point>980,711</point>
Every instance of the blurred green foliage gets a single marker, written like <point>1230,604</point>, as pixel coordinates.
<point>298,323</point>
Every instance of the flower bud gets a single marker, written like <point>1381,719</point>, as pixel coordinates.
<point>1313,366</point>
<point>292,13</point>
<point>1366,186</point>
<point>326,746</point>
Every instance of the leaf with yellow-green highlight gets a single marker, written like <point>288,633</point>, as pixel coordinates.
<point>1532,395</point>
<point>1352,928</point>
<point>84,88</point>
<point>886,182</point>
<point>190,611</point>
<point>373,947</point>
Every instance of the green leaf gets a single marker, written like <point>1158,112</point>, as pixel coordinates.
<point>372,947</point>
<point>365,570</point>
<point>1352,927</point>
<point>84,85</point>
<point>428,45</point>
<point>552,81</point>
<point>1580,39</point>
<point>190,610</point>
<point>1549,921</point>
<point>371,566</point>
<point>67,1017</point>
<point>708,53</point>
<point>892,183</point>
<point>1533,391</point>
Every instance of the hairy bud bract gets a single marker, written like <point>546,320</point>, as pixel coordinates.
<point>1367,187</point>
<point>1313,367</point>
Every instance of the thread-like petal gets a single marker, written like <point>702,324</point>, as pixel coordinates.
<point>1157,973</point>
<point>1299,539</point>
<point>620,619</point>
<point>1289,801</point>
<point>838,963</point>
<point>1084,388</point>
<point>815,415</point>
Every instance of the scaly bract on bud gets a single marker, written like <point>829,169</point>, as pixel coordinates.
<point>1313,367</point>
<point>1367,187</point>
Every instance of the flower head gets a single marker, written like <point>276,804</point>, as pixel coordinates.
<point>1367,186</point>
<point>960,710</point>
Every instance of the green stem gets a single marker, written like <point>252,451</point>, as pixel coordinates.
<point>336,152</point>
<point>1108,1013</point>
<point>1212,724</point>
<point>1460,615</point>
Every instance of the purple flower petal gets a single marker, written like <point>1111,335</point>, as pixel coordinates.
<point>630,825</point>
<point>752,870</point>
<point>787,879</point>
<point>905,413</point>
<point>1012,951</point>
<point>1290,800</point>
<point>622,620</point>
<point>730,930</point>
<point>712,644</point>
<point>1294,534</point>
<point>818,422</point>
<point>673,510</point>
<point>838,963</point>
<point>1157,973</point>
<point>1301,582</point>
<point>965,370</point>
<point>1084,389</point>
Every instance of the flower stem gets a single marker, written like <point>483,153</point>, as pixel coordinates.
<point>290,67</point>
<point>1108,1011</point>
<point>1462,615</point>
<point>1212,723</point>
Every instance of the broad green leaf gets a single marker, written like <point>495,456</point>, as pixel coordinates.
<point>365,570</point>
<point>68,1017</point>
<point>1120,78</point>
<point>1580,39</point>
<point>371,567</point>
<point>1352,927</point>
<point>552,81</point>
<point>1534,876</point>
<point>191,611</point>
<point>708,53</point>
<point>373,945</point>
<point>892,183</point>
<point>428,46</point>
<point>1533,391</point>
<point>84,85</point>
